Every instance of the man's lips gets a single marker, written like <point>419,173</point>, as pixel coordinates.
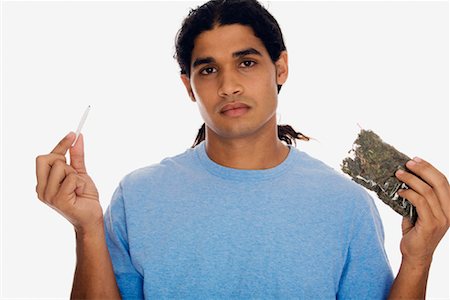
<point>234,105</point>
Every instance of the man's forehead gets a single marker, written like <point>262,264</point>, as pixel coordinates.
<point>226,40</point>
<point>234,52</point>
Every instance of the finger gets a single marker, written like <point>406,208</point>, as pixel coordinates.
<point>72,185</point>
<point>57,175</point>
<point>77,156</point>
<point>426,191</point>
<point>435,179</point>
<point>43,165</point>
<point>64,144</point>
<point>425,215</point>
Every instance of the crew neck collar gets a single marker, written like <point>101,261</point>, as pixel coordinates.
<point>238,174</point>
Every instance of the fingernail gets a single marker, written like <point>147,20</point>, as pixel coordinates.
<point>411,163</point>
<point>400,172</point>
<point>400,191</point>
<point>69,134</point>
<point>417,159</point>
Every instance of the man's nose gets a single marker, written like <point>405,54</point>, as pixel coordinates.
<point>229,84</point>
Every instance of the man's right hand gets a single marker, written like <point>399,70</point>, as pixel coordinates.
<point>68,188</point>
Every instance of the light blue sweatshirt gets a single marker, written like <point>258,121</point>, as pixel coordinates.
<point>188,227</point>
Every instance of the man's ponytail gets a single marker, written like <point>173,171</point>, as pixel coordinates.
<point>285,133</point>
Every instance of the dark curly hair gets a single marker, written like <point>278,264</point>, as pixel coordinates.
<point>226,12</point>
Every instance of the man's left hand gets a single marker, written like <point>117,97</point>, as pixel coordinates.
<point>429,192</point>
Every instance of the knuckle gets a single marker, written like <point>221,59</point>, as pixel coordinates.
<point>49,198</point>
<point>443,182</point>
<point>61,158</point>
<point>423,165</point>
<point>419,200</point>
<point>39,193</point>
<point>61,143</point>
<point>46,197</point>
<point>428,192</point>
<point>40,159</point>
<point>40,197</point>
<point>59,164</point>
<point>52,200</point>
<point>71,177</point>
<point>407,176</point>
<point>70,170</point>
<point>43,200</point>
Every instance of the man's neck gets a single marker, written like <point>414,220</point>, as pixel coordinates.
<point>249,153</point>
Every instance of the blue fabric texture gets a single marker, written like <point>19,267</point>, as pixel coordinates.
<point>189,228</point>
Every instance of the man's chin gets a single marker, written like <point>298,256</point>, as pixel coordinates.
<point>233,132</point>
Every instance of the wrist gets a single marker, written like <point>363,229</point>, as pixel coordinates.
<point>416,264</point>
<point>92,231</point>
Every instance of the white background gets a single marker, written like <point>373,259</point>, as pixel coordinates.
<point>384,65</point>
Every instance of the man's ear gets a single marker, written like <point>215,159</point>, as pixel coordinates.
<point>187,84</point>
<point>281,66</point>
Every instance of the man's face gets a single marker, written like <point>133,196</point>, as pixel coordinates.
<point>230,65</point>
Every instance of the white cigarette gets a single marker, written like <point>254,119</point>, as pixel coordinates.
<point>80,125</point>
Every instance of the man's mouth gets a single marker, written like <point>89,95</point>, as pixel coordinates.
<point>234,109</point>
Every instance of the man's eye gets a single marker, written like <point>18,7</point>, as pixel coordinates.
<point>248,63</point>
<point>207,71</point>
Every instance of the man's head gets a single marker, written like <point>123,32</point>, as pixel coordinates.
<point>227,12</point>
<point>233,51</point>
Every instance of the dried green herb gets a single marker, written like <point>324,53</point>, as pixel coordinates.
<point>373,164</point>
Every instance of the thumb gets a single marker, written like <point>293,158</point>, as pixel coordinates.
<point>406,225</point>
<point>77,156</point>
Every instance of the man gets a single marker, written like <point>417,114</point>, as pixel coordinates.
<point>240,214</point>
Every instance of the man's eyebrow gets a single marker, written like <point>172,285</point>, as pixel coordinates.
<point>246,52</point>
<point>237,54</point>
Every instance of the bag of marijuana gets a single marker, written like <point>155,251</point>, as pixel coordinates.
<point>372,164</point>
